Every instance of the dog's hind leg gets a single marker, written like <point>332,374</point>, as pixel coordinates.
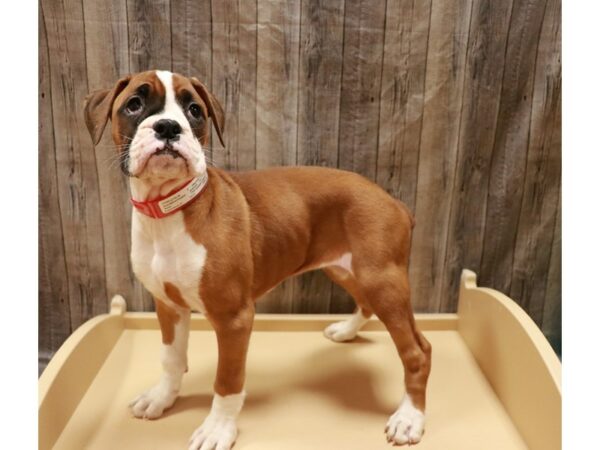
<point>346,330</point>
<point>388,293</point>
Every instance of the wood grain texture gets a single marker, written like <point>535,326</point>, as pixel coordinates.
<point>149,26</point>
<point>277,82</point>
<point>481,99</point>
<point>444,82</point>
<point>191,34</point>
<point>552,317</point>
<point>402,97</point>
<point>320,82</point>
<point>234,40</point>
<point>552,302</point>
<point>451,106</point>
<point>78,189</point>
<point>541,185</point>
<point>507,172</point>
<point>364,30</point>
<point>53,302</point>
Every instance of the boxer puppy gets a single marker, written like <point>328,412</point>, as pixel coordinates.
<point>214,241</point>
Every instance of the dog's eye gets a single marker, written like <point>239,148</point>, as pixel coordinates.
<point>143,90</point>
<point>195,110</point>
<point>134,105</point>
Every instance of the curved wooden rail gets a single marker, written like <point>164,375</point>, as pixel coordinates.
<point>73,368</point>
<point>516,359</point>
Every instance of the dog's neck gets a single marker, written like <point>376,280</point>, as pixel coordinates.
<point>144,190</point>
<point>160,199</point>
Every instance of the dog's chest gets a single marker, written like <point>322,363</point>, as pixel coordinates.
<point>162,251</point>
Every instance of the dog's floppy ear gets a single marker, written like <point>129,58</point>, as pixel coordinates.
<point>97,108</point>
<point>214,108</point>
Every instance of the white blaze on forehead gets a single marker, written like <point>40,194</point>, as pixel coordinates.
<point>172,110</point>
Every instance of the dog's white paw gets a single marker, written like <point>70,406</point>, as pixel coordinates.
<point>341,331</point>
<point>346,330</point>
<point>152,403</point>
<point>218,432</point>
<point>406,425</point>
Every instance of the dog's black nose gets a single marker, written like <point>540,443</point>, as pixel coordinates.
<point>167,129</point>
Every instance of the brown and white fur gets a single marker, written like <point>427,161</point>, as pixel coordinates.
<point>242,236</point>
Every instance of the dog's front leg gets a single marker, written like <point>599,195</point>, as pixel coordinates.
<point>219,429</point>
<point>175,326</point>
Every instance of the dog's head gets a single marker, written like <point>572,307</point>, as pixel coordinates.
<point>159,123</point>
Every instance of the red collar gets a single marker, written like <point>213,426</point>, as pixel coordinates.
<point>174,201</point>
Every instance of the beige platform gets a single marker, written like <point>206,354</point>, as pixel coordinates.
<point>495,383</point>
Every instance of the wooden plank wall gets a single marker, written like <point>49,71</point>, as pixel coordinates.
<point>453,106</point>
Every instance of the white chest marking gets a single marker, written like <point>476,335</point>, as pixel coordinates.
<point>162,251</point>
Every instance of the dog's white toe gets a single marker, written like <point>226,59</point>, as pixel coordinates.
<point>341,331</point>
<point>152,403</point>
<point>216,433</point>
<point>346,330</point>
<point>406,425</point>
